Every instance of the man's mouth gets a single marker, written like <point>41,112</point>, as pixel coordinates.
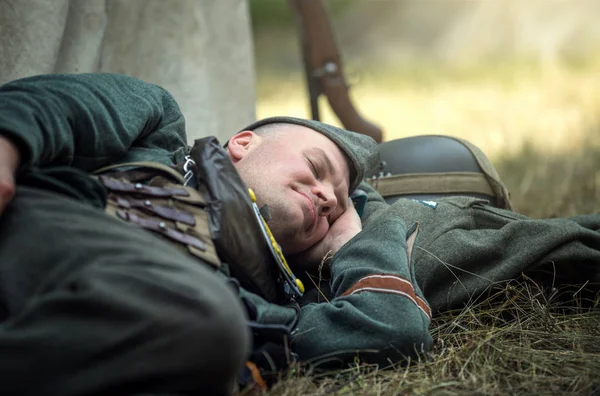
<point>312,215</point>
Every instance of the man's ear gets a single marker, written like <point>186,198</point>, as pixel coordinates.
<point>241,144</point>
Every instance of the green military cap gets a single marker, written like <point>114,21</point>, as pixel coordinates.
<point>361,151</point>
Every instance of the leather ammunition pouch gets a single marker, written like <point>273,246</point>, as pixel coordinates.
<point>433,166</point>
<point>156,202</point>
<point>214,222</point>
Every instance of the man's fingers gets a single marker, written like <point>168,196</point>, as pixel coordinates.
<point>7,188</point>
<point>9,162</point>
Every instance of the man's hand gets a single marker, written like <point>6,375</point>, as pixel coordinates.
<point>342,230</point>
<point>9,162</point>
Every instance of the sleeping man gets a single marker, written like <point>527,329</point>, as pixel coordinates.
<point>132,263</point>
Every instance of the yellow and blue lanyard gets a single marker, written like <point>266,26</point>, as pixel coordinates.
<point>292,286</point>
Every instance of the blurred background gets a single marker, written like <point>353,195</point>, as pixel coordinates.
<point>520,79</point>
<point>500,73</point>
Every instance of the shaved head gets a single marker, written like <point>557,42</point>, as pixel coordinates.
<point>300,174</point>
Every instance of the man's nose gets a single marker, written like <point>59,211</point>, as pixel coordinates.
<point>327,202</point>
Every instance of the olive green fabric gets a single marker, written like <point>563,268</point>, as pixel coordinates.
<point>92,305</point>
<point>117,119</point>
<point>360,150</point>
<point>380,325</point>
<point>97,288</point>
<point>465,246</point>
<point>95,281</point>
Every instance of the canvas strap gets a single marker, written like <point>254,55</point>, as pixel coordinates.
<point>433,183</point>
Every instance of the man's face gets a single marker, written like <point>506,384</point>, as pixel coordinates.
<point>301,175</point>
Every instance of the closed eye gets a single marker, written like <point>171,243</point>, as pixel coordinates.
<point>314,169</point>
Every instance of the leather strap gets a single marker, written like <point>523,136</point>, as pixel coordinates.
<point>150,207</point>
<point>161,228</point>
<point>113,184</point>
<point>145,164</point>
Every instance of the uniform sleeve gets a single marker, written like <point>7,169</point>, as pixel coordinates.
<point>378,308</point>
<point>89,120</point>
<point>377,311</point>
<point>375,203</point>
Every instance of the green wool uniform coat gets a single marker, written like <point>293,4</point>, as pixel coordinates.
<point>91,304</point>
<point>97,305</point>
<point>464,246</point>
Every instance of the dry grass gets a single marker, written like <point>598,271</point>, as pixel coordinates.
<point>542,131</point>
<point>520,341</point>
<point>554,185</point>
